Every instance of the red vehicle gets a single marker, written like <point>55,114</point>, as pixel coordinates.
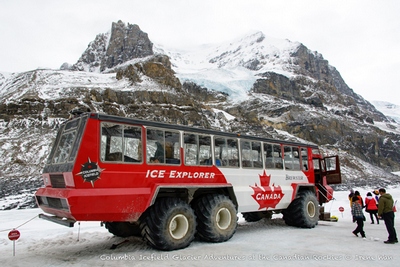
<point>167,182</point>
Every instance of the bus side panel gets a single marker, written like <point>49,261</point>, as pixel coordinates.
<point>88,153</point>
<point>258,190</point>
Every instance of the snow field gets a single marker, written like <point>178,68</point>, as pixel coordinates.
<point>267,242</point>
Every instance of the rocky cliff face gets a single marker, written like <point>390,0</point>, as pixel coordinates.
<point>344,118</point>
<point>119,74</point>
<point>108,50</point>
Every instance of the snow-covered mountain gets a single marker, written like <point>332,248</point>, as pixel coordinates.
<point>390,110</point>
<point>255,85</point>
<point>233,67</point>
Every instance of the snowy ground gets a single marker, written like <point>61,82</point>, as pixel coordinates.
<point>43,243</point>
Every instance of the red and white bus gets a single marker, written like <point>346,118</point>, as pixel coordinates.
<point>168,182</point>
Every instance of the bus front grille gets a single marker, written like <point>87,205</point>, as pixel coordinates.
<point>57,180</point>
<point>55,203</point>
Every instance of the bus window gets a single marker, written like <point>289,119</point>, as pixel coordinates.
<point>162,146</point>
<point>120,143</point>
<point>296,158</point>
<point>64,147</point>
<point>317,167</point>
<point>316,151</point>
<point>219,144</point>
<point>132,144</point>
<point>257,156</point>
<point>292,159</point>
<point>191,146</point>
<point>226,152</point>
<point>155,146</point>
<point>251,154</point>
<point>269,163</point>
<point>330,164</point>
<point>288,157</point>
<point>205,149</point>
<point>66,144</point>
<point>232,153</point>
<point>197,149</point>
<point>172,148</point>
<point>245,152</point>
<point>273,159</point>
<point>304,158</point>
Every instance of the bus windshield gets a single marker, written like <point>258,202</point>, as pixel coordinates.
<point>66,145</point>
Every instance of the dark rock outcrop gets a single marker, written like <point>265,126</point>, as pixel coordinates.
<point>123,43</point>
<point>157,68</point>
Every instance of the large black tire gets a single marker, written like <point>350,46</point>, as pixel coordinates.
<point>123,229</point>
<point>256,216</point>
<point>216,218</point>
<point>303,211</point>
<point>169,224</point>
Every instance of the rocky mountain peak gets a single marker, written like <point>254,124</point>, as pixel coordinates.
<point>121,44</point>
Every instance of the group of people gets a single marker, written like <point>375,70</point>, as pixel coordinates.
<point>378,206</point>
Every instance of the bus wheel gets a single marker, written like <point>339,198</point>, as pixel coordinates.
<point>303,211</point>
<point>169,224</point>
<point>256,216</point>
<point>123,229</point>
<point>216,218</point>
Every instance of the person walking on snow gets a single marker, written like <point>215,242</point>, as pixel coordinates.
<point>358,216</point>
<point>371,208</point>
<point>357,194</point>
<point>385,210</point>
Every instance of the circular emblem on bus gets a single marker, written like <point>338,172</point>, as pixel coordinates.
<point>90,172</point>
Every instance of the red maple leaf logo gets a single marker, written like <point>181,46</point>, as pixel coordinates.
<point>267,196</point>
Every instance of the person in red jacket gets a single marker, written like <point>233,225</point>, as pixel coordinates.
<point>371,208</point>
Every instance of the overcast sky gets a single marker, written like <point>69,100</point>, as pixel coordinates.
<point>360,38</point>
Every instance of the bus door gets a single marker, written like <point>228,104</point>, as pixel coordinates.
<point>332,170</point>
<point>327,171</point>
